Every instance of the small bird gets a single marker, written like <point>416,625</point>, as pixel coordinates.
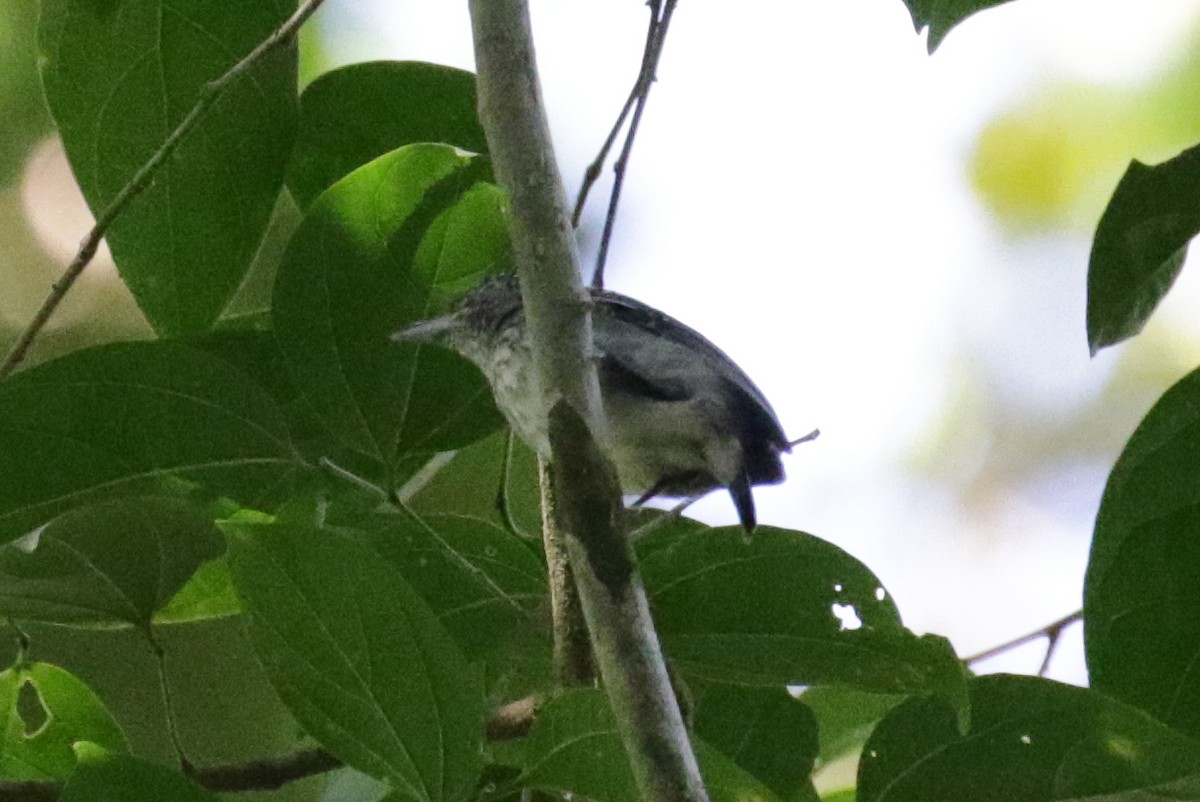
<point>683,418</point>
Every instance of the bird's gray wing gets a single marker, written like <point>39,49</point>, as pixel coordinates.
<point>614,312</point>
<point>622,372</point>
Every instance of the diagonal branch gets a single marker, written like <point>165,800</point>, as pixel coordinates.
<point>256,775</point>
<point>592,174</point>
<point>282,37</point>
<point>513,720</point>
<point>656,37</point>
<point>1052,632</point>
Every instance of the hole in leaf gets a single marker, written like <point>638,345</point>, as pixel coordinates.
<point>32,710</point>
<point>847,616</point>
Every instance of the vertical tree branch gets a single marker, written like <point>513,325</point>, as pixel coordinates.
<point>572,649</point>
<point>587,499</point>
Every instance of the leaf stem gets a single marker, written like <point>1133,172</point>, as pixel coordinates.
<point>164,685</point>
<point>282,37</point>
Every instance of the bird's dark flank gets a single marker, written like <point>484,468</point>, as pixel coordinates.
<point>683,418</point>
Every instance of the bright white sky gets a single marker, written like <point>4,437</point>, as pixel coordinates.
<point>798,194</point>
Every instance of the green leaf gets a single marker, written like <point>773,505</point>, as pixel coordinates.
<point>728,782</point>
<point>25,120</point>
<point>113,562</point>
<point>1141,600</point>
<point>845,717</point>
<point>847,795</point>
<point>360,659</point>
<point>387,245</point>
<point>124,419</point>
<point>351,115</point>
<point>1030,739</point>
<point>104,777</point>
<point>119,77</point>
<point>575,748</point>
<point>782,608</point>
<point>1140,245</point>
<point>488,588</point>
<point>258,354</point>
<point>942,15</point>
<point>469,483</point>
<point>208,594</point>
<point>484,583</point>
<point>765,731</point>
<point>39,734</point>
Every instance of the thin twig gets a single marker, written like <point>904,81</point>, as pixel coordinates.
<point>645,80</point>
<point>1052,632</point>
<point>281,37</point>
<point>268,774</point>
<point>512,720</point>
<point>592,173</point>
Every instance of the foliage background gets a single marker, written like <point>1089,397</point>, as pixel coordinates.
<point>848,188</point>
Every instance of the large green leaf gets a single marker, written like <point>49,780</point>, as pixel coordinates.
<point>1141,598</point>
<point>106,777</point>
<point>38,745</point>
<point>125,418</point>
<point>470,482</point>
<point>387,245</point>
<point>351,115</point>
<point>1140,245</point>
<point>942,15</point>
<point>25,120</point>
<point>488,588</point>
<point>484,583</point>
<point>360,659</point>
<point>119,77</point>
<point>765,731</point>
<point>1030,739</point>
<point>575,748</point>
<point>784,607</point>
<point>845,717</point>
<point>259,354</point>
<point>117,561</point>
